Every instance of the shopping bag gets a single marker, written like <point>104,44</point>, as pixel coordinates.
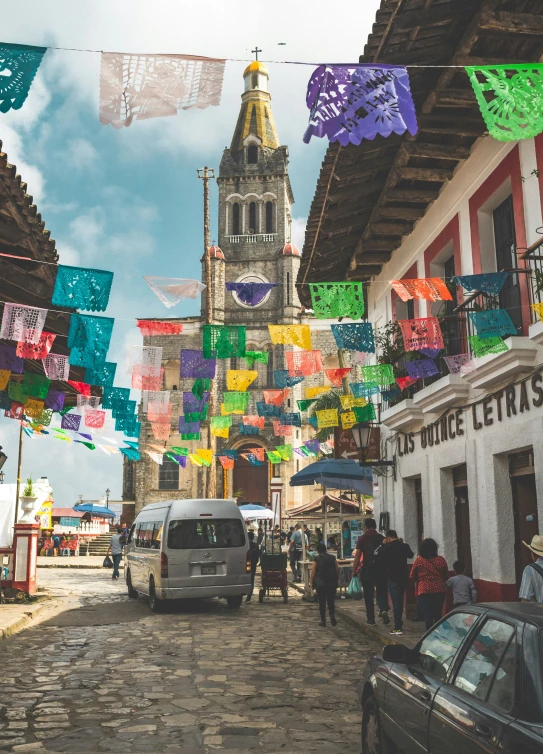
<point>108,563</point>
<point>354,589</point>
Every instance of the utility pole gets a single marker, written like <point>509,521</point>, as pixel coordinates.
<point>19,472</point>
<point>206,174</point>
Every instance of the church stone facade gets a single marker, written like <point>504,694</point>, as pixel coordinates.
<point>254,244</point>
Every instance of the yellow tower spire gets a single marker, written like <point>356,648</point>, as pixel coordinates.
<point>255,116</point>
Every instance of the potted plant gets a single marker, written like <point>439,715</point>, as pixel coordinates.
<point>28,498</point>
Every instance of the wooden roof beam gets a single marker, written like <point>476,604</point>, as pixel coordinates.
<point>402,213</point>
<point>416,196</point>
<point>437,151</point>
<point>430,175</point>
<point>502,22</point>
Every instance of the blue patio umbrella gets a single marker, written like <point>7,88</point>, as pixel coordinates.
<point>336,473</point>
<point>98,510</point>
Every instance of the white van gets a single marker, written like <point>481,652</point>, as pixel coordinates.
<point>182,549</point>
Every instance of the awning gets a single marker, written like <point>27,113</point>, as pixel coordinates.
<point>336,473</point>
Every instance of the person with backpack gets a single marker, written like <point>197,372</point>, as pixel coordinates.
<point>325,579</point>
<point>393,556</point>
<point>372,575</point>
<point>531,587</point>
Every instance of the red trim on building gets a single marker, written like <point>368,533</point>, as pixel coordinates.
<point>509,168</point>
<point>491,591</point>
<point>538,141</point>
<point>450,232</point>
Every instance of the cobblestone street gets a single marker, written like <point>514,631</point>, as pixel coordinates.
<point>105,674</point>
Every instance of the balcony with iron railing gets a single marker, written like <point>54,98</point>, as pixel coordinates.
<point>443,390</point>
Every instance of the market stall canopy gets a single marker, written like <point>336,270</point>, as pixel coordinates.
<point>96,510</point>
<point>325,504</point>
<point>336,473</point>
<point>252,512</point>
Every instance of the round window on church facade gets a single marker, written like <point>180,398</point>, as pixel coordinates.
<point>251,277</point>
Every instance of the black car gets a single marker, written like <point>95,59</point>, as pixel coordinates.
<point>473,683</point>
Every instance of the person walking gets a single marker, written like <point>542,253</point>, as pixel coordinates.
<point>325,579</point>
<point>430,571</point>
<point>372,576</point>
<point>463,588</point>
<point>394,555</point>
<point>254,554</point>
<point>115,549</point>
<point>260,536</point>
<point>531,586</point>
<point>296,553</point>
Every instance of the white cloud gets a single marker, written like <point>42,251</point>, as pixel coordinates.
<point>80,153</point>
<point>298,231</point>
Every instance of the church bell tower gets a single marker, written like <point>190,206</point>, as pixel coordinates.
<point>255,216</point>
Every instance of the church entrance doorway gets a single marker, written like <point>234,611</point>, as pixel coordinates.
<point>250,481</point>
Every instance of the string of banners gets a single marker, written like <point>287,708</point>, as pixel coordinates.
<point>348,103</point>
<point>29,398</point>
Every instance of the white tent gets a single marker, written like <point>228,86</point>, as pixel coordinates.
<point>42,490</point>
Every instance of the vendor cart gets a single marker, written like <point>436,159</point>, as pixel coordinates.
<point>274,574</point>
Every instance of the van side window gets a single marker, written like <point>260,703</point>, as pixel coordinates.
<point>132,533</point>
<point>137,536</point>
<point>200,535</point>
<point>156,536</point>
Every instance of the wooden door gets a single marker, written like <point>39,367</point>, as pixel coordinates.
<point>525,516</point>
<point>251,481</point>
<point>461,512</point>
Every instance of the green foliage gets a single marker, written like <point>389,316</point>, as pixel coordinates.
<point>29,488</point>
<point>323,402</point>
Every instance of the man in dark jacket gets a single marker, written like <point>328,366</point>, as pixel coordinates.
<point>254,551</point>
<point>371,575</point>
<point>393,557</point>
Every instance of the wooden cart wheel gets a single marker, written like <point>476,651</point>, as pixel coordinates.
<point>261,595</point>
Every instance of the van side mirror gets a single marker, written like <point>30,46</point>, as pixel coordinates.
<point>397,653</point>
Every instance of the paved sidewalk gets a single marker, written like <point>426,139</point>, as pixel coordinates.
<point>15,617</point>
<point>79,561</point>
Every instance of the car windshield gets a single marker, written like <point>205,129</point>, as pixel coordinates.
<point>195,534</point>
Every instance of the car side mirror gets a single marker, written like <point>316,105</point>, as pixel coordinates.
<point>396,653</point>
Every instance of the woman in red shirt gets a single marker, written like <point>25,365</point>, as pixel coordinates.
<point>430,572</point>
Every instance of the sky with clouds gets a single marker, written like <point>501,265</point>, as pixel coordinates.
<point>129,200</point>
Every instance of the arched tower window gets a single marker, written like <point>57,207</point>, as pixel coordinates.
<point>235,219</point>
<point>254,81</point>
<point>252,154</point>
<point>269,367</point>
<point>252,217</point>
<point>269,217</point>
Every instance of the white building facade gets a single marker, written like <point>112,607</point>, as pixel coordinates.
<point>468,450</point>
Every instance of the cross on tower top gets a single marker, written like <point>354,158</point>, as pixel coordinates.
<point>256,51</point>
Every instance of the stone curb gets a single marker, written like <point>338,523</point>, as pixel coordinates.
<point>22,622</point>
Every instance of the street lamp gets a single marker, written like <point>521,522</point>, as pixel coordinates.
<point>2,475</point>
<point>108,492</point>
<point>362,439</point>
<point>3,457</point>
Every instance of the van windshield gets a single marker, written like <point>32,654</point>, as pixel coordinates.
<point>200,535</point>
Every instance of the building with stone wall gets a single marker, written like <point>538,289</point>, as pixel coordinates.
<point>254,233</point>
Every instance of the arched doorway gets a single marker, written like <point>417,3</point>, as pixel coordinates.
<point>252,481</point>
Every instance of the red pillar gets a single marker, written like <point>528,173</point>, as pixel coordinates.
<point>25,545</point>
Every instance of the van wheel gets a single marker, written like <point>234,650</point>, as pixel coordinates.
<point>234,602</point>
<point>156,604</point>
<point>132,593</point>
